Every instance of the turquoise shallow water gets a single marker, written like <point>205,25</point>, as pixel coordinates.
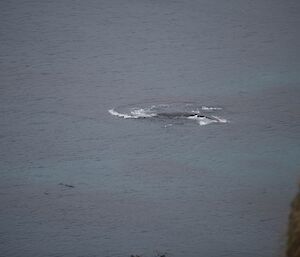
<point>141,186</point>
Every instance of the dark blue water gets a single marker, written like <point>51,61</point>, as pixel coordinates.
<point>142,186</point>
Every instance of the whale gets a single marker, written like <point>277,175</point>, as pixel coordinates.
<point>165,114</point>
<point>178,115</point>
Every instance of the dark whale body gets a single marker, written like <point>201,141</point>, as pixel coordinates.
<point>178,115</point>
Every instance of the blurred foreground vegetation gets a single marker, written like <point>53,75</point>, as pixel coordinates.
<point>293,243</point>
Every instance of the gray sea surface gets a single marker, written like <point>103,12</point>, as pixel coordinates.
<point>77,181</point>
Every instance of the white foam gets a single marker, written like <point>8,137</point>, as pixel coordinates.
<point>142,113</point>
<point>121,115</point>
<point>220,119</point>
<point>206,108</point>
<point>205,121</point>
<point>196,111</point>
<point>202,120</point>
<point>135,114</point>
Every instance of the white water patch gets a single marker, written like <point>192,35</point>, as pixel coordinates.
<point>134,114</point>
<point>160,106</point>
<point>202,121</point>
<point>220,120</point>
<point>121,115</point>
<point>206,108</point>
<point>142,113</point>
<point>195,111</point>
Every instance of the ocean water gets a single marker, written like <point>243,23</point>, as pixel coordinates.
<point>79,179</point>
